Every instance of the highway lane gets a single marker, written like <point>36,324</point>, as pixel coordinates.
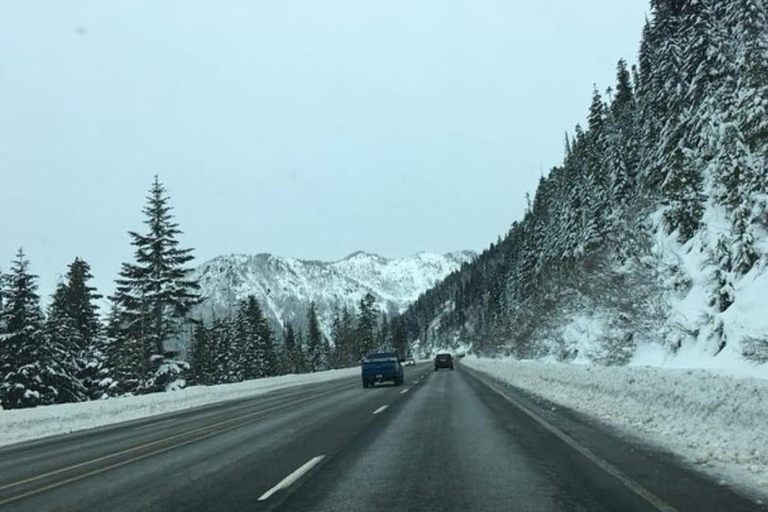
<point>221,457</point>
<point>465,443</point>
<point>448,440</point>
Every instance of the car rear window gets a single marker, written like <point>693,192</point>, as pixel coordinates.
<point>374,358</point>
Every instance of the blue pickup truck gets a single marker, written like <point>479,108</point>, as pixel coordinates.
<point>382,367</point>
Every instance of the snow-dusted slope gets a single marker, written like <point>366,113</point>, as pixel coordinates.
<point>286,286</point>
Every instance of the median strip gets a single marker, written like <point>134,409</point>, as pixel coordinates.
<point>290,479</point>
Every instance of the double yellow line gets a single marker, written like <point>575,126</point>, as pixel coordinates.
<point>205,431</point>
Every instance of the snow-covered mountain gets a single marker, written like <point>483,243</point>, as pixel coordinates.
<point>286,286</point>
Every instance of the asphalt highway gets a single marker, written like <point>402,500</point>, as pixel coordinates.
<point>448,440</point>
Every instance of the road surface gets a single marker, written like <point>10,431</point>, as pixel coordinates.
<point>445,440</point>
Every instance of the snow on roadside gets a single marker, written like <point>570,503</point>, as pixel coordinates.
<point>26,424</point>
<point>716,422</point>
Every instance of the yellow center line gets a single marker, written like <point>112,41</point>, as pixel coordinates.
<point>159,441</point>
<point>122,463</point>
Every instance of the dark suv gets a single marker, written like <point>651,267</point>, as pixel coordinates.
<point>443,361</point>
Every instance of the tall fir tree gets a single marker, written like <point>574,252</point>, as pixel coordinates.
<point>301,352</point>
<point>65,341</point>
<point>155,293</point>
<point>224,359</point>
<point>6,355</point>
<point>294,355</point>
<point>399,336</point>
<point>256,357</point>
<point>202,358</point>
<point>34,375</point>
<point>74,323</point>
<point>316,356</point>
<point>81,302</point>
<point>384,334</point>
<point>366,326</point>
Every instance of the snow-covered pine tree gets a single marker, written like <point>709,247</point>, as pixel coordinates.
<point>672,164</point>
<point>293,355</point>
<point>664,92</point>
<point>81,302</point>
<point>267,347</point>
<point>337,353</point>
<point>682,189</point>
<point>723,295</point>
<point>749,115</point>
<point>344,338</point>
<point>256,358</point>
<point>35,376</point>
<point>155,293</point>
<point>64,341</point>
<point>399,336</point>
<point>5,353</point>
<point>745,253</point>
<point>222,338</point>
<point>124,364</point>
<point>384,335</point>
<point>597,184</point>
<point>648,129</point>
<point>621,144</point>
<point>366,326</point>
<point>301,352</point>
<point>202,357</point>
<point>622,161</point>
<point>23,336</point>
<point>576,197</point>
<point>316,357</point>
<point>78,309</point>
<point>748,19</point>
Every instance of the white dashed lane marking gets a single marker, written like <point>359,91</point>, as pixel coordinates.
<point>290,479</point>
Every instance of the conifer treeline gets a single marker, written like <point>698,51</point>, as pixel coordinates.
<point>67,354</point>
<point>244,347</point>
<point>683,133</point>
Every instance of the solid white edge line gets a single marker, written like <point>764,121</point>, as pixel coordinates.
<point>655,501</point>
<point>287,481</point>
<point>380,409</point>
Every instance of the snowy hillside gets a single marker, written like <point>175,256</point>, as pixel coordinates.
<point>650,242</point>
<point>286,286</point>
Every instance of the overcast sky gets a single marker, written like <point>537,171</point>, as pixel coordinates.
<point>304,128</point>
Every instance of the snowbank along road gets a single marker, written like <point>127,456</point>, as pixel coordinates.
<point>454,440</point>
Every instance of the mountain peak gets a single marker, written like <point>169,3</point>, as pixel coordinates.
<point>363,255</point>
<point>286,286</point>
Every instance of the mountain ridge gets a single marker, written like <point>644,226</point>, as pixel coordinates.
<point>285,286</point>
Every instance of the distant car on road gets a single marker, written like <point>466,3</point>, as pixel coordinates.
<point>382,367</point>
<point>443,361</point>
<point>410,360</point>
